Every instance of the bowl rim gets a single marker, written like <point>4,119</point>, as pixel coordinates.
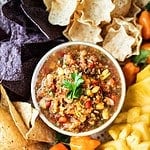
<point>120,104</point>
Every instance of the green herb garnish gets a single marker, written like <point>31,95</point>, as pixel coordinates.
<point>74,87</point>
<point>142,57</point>
<point>62,138</point>
<point>147,7</point>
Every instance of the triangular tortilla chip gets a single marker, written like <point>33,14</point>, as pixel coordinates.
<point>11,135</point>
<point>15,115</point>
<point>39,131</point>
<point>25,111</point>
<point>37,146</point>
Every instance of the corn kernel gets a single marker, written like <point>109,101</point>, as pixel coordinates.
<point>95,89</point>
<point>100,106</point>
<point>105,114</point>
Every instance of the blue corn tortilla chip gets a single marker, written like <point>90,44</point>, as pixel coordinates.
<point>22,87</point>
<point>10,61</point>
<point>10,49</point>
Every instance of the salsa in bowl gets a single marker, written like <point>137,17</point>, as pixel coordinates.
<point>79,88</point>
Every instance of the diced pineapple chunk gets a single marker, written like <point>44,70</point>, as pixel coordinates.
<point>143,128</point>
<point>133,115</point>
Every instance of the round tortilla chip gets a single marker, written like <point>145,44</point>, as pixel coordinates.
<point>61,11</point>
<point>134,10</point>
<point>141,3</point>
<point>78,31</point>
<point>121,8</point>
<point>95,11</point>
<point>47,3</point>
<point>118,43</point>
<point>125,46</point>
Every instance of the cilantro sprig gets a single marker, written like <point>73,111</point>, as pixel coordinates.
<point>142,57</point>
<point>147,7</point>
<point>74,87</point>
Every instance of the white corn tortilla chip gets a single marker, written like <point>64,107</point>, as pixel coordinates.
<point>14,114</point>
<point>39,130</point>
<point>25,111</point>
<point>61,11</point>
<point>121,8</point>
<point>118,43</point>
<point>134,10</point>
<point>78,31</point>
<point>141,3</point>
<point>47,3</point>
<point>95,11</point>
<point>10,137</point>
<point>131,30</point>
<point>12,132</point>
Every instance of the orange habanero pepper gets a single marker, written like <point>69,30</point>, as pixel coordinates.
<point>59,146</point>
<point>130,71</point>
<point>83,143</point>
<point>144,21</point>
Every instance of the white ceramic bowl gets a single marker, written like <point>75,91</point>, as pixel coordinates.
<point>120,104</point>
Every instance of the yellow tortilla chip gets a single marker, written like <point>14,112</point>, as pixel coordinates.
<point>95,11</point>
<point>37,146</point>
<point>37,129</point>
<point>78,31</point>
<point>13,132</point>
<point>25,111</point>
<point>61,11</point>
<point>15,116</point>
<point>40,131</point>
<point>121,8</point>
<point>10,137</point>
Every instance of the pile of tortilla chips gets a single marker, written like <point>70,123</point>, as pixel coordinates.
<point>20,126</point>
<point>111,24</point>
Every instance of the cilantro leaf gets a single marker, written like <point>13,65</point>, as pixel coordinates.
<point>62,138</point>
<point>67,84</point>
<point>74,87</point>
<point>147,7</point>
<point>142,57</point>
